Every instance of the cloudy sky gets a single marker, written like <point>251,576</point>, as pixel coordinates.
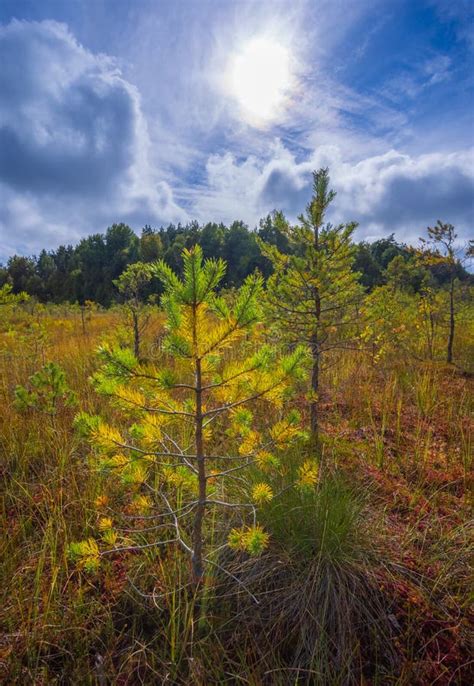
<point>158,111</point>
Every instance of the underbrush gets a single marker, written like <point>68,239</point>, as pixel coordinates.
<point>367,578</point>
<point>316,614</point>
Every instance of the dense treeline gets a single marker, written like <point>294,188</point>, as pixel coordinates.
<point>87,271</point>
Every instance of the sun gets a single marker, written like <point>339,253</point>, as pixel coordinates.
<point>259,78</point>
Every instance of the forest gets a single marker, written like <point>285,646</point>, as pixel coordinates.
<point>88,270</point>
<point>236,456</point>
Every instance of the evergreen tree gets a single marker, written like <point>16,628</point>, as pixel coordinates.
<point>314,290</point>
<point>7,297</point>
<point>151,246</point>
<point>186,411</point>
<point>371,273</point>
<point>21,274</point>
<point>132,285</point>
<point>440,249</point>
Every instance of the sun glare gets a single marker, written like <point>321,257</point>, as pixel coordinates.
<point>259,78</point>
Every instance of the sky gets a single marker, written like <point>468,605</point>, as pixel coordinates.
<point>159,111</point>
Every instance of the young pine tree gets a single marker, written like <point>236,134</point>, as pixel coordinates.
<point>47,392</point>
<point>193,423</point>
<point>7,297</point>
<point>314,291</point>
<point>440,249</point>
<point>131,285</point>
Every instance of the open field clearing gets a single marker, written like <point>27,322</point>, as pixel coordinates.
<point>365,579</point>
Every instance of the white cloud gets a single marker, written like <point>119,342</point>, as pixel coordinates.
<point>76,152</point>
<point>389,192</point>
<point>74,146</point>
<point>414,79</point>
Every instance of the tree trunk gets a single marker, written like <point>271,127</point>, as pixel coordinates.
<point>197,562</point>
<point>449,357</point>
<point>314,404</point>
<point>83,320</point>
<point>136,335</point>
<point>315,353</point>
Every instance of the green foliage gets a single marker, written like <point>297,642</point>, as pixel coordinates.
<point>47,391</point>
<point>7,297</point>
<point>87,271</point>
<point>174,416</point>
<point>151,245</point>
<point>315,287</point>
<point>325,588</point>
<point>133,285</point>
<point>320,607</point>
<point>133,281</point>
<point>407,275</point>
<point>85,423</point>
<point>308,573</point>
<point>398,319</point>
<point>314,292</point>
<point>320,518</point>
<point>86,554</point>
<point>390,319</point>
<point>439,252</point>
<point>441,242</point>
<point>252,540</point>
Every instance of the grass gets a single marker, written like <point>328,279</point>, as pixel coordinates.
<point>326,523</point>
<point>321,614</point>
<point>366,580</point>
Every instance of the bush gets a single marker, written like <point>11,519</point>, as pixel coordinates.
<point>326,521</point>
<point>319,614</point>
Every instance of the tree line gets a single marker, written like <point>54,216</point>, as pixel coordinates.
<point>87,271</point>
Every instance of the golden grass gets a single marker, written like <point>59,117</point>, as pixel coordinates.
<point>401,431</point>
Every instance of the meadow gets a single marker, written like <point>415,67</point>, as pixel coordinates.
<point>261,484</point>
<point>236,404</point>
<point>366,578</point>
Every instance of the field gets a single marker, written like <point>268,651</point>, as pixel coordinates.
<point>366,581</point>
<point>236,343</point>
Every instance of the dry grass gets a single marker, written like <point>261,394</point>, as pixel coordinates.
<point>383,600</point>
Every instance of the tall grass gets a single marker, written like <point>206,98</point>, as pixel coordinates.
<point>366,579</point>
<point>320,617</point>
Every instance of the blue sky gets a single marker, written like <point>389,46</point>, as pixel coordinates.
<point>140,111</point>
